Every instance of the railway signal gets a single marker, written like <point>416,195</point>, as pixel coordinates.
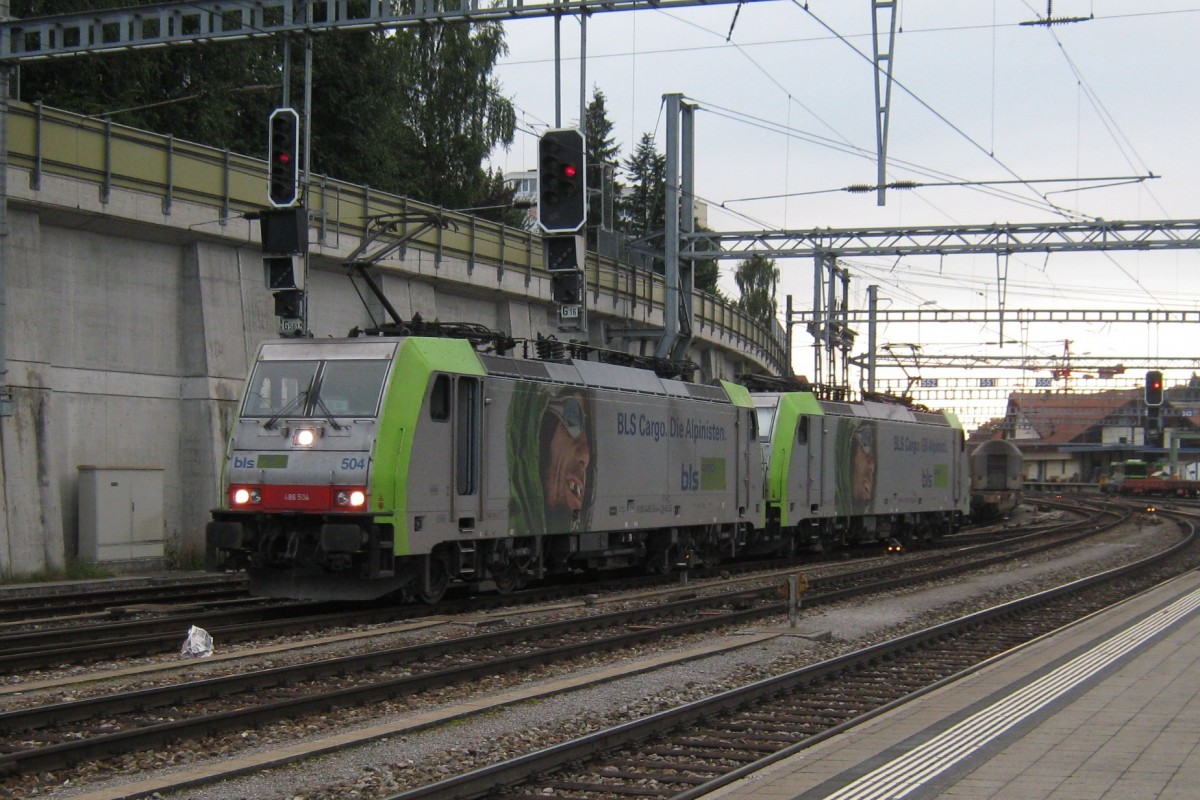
<point>562,185</point>
<point>283,166</point>
<point>284,235</point>
<point>1154,388</point>
<point>567,287</point>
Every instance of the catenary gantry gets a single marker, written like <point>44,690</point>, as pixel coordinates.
<point>203,21</point>
<point>1002,238</point>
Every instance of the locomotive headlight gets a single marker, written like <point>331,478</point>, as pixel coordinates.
<point>304,437</point>
<point>351,498</point>
<point>242,496</point>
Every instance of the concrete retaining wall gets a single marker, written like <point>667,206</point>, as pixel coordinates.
<point>129,332</point>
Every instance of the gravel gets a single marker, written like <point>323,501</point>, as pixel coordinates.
<point>392,764</point>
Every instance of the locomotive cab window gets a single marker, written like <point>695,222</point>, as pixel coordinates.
<point>351,388</point>
<point>439,399</point>
<point>802,430</point>
<point>340,388</point>
<point>278,387</point>
<point>766,418</point>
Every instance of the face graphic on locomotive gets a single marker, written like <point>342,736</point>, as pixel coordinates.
<point>551,468</point>
<point>856,466</point>
<point>567,453</point>
<point>862,467</point>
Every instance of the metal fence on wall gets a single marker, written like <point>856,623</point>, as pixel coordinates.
<point>45,140</point>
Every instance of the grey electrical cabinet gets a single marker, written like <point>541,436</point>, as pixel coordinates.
<point>120,513</point>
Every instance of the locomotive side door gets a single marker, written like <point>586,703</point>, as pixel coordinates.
<point>799,473</point>
<point>746,441</point>
<point>959,467</point>
<point>466,454</point>
<point>819,488</point>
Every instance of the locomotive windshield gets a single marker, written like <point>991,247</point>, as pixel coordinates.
<point>766,418</point>
<point>337,387</point>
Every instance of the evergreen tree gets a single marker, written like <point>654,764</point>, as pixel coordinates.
<point>644,208</point>
<point>495,202</point>
<point>603,155</point>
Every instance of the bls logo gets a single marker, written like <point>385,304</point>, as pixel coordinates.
<point>690,481</point>
<point>926,479</point>
<point>243,462</point>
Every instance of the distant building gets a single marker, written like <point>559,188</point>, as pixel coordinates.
<point>525,193</point>
<point>1075,437</point>
<point>1069,438</point>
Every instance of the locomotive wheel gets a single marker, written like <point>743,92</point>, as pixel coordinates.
<point>433,590</point>
<point>508,580</point>
<point>789,549</point>
<point>663,562</point>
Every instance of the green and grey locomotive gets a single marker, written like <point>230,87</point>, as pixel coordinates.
<point>369,466</point>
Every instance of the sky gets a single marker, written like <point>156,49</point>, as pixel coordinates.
<point>1081,112</point>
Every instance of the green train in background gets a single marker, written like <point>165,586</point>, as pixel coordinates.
<point>381,465</point>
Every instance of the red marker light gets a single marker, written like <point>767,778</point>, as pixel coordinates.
<point>569,170</point>
<point>284,158</point>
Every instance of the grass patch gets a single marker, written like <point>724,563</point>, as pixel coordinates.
<point>75,570</point>
<point>181,557</point>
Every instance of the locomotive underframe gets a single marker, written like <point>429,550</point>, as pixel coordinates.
<point>351,556</point>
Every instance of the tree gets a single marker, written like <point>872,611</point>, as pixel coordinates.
<point>495,202</point>
<point>603,157</point>
<point>453,108</point>
<point>644,208</point>
<point>219,95</point>
<point>413,112</point>
<point>756,278</point>
<point>706,271</point>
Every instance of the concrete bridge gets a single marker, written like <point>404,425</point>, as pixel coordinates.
<point>134,298</point>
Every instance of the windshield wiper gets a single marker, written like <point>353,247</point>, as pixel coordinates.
<point>328,414</point>
<point>288,406</point>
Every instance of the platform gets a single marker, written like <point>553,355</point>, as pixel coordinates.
<point>1106,708</point>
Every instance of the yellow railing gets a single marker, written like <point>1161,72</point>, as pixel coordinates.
<point>50,141</point>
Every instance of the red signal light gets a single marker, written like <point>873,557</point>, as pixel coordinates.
<point>562,193</point>
<point>283,146</point>
<point>1154,388</point>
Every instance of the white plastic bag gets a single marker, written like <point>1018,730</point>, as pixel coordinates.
<point>198,645</point>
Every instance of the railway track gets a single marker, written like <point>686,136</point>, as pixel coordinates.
<point>687,752</point>
<point>66,734</point>
<point>111,636</point>
<point>127,630</point>
<point>24,607</point>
